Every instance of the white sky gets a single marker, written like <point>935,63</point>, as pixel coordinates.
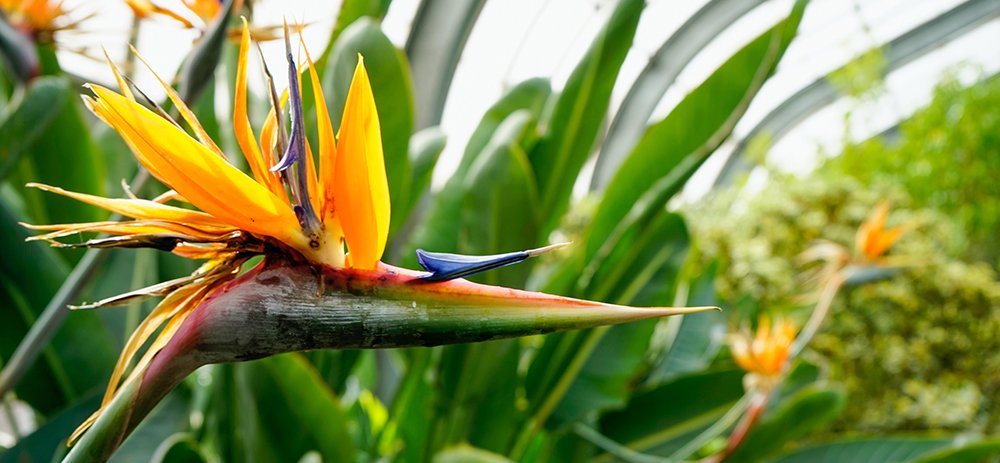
<point>517,39</point>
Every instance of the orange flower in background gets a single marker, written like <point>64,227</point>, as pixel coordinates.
<point>145,9</point>
<point>206,10</point>
<point>873,239</point>
<point>203,9</point>
<point>766,352</point>
<point>36,17</point>
<point>868,261</point>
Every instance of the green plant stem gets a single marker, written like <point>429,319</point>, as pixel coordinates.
<point>716,429</point>
<point>827,294</point>
<point>618,450</point>
<point>133,42</point>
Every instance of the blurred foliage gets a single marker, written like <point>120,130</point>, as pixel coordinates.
<point>946,157</point>
<point>918,351</point>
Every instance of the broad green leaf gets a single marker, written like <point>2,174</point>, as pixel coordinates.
<point>312,408</point>
<point>204,110</point>
<point>468,454</point>
<point>35,110</point>
<point>437,37</point>
<point>179,448</point>
<point>233,424</point>
<point>698,338</point>
<point>643,273</point>
<point>494,426</point>
<point>65,156</point>
<point>642,267</point>
<point>801,374</point>
<point>810,409</point>
<point>425,148</point>
<point>664,150</point>
<point>119,161</point>
<point>579,111</point>
<point>660,73</point>
<point>412,409</point>
<point>350,11</point>
<point>553,358</point>
<point>438,230</point>
<point>473,379</point>
<point>656,421</point>
<point>874,450</point>
<point>198,69</point>
<point>334,366</point>
<point>392,87</point>
<point>17,51</point>
<point>81,354</point>
<point>977,452</point>
<point>501,201</point>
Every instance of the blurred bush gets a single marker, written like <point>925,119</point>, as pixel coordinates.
<point>918,351</point>
<point>946,157</point>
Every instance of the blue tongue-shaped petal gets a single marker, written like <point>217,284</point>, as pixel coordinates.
<point>444,266</point>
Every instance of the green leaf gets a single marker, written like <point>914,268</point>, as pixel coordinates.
<point>642,267</point>
<point>334,366</point>
<point>18,52</point>
<point>579,111</point>
<point>655,421</point>
<point>312,407</point>
<point>810,409</point>
<point>198,69</point>
<point>978,452</point>
<point>29,274</point>
<point>468,454</point>
<point>643,272</point>
<point>425,149</point>
<point>179,448</point>
<point>699,337</point>
<point>350,11</point>
<point>233,423</point>
<point>392,88</point>
<point>663,152</point>
<point>35,110</point>
<point>437,37</point>
<point>875,450</point>
<point>476,382</point>
<point>501,201</point>
<point>411,408</point>
<point>65,156</point>
<point>438,230</point>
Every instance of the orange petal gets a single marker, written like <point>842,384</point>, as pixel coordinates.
<point>267,133</point>
<point>361,191</point>
<point>140,209</point>
<point>185,111</point>
<point>324,127</point>
<point>136,227</point>
<point>241,125</point>
<point>205,179</point>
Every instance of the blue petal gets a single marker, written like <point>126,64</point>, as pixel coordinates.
<point>444,266</point>
<point>288,159</point>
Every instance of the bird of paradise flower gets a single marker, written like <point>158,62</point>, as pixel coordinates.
<point>333,215</point>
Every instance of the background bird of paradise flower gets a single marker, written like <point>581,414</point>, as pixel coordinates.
<point>637,392</point>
